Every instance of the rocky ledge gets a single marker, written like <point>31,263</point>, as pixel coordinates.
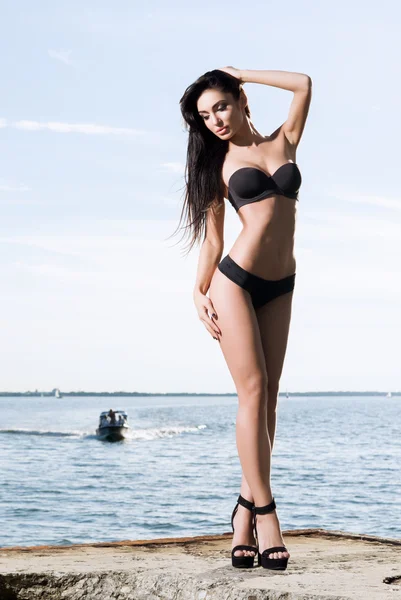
<point>323,565</point>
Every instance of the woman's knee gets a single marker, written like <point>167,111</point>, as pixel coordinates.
<point>253,391</point>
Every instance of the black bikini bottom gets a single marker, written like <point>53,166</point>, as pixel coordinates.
<point>261,290</point>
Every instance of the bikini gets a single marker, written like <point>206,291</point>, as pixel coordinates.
<point>247,185</point>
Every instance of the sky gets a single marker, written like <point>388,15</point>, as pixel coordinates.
<point>95,293</point>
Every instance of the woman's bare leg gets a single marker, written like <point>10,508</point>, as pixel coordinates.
<point>271,429</point>
<point>274,323</point>
<point>242,348</point>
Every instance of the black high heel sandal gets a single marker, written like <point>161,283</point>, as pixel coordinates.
<point>276,564</point>
<point>245,562</point>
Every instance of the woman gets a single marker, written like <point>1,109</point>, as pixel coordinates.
<point>250,292</point>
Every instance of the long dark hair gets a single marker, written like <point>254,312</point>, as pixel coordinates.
<point>204,185</point>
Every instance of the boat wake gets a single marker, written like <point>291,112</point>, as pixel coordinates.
<point>45,432</point>
<point>155,433</point>
<point>137,434</point>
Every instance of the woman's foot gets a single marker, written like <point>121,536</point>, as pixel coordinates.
<point>243,533</point>
<point>269,534</point>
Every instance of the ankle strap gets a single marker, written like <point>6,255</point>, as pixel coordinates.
<point>263,510</point>
<point>244,502</point>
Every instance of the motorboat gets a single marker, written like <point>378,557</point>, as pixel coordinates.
<point>113,425</point>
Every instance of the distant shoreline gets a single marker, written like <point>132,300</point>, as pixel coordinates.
<point>51,394</point>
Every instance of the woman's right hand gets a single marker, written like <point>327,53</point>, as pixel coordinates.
<point>203,305</point>
<point>231,71</point>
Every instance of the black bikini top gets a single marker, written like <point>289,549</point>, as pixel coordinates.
<point>250,184</point>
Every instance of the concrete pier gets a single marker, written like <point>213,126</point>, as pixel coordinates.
<point>324,564</point>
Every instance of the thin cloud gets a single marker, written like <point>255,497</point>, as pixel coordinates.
<point>3,123</point>
<point>175,167</point>
<point>62,55</point>
<point>340,296</point>
<point>329,225</point>
<point>19,187</point>
<point>380,201</point>
<point>87,128</point>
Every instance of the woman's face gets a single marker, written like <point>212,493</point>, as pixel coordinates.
<point>220,112</point>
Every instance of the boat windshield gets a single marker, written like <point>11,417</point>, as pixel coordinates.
<point>113,418</point>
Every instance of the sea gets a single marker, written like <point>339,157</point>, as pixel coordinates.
<point>335,465</point>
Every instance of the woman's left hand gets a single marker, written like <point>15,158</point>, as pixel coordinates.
<point>232,71</point>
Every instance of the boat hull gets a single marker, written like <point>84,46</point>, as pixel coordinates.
<point>112,433</point>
